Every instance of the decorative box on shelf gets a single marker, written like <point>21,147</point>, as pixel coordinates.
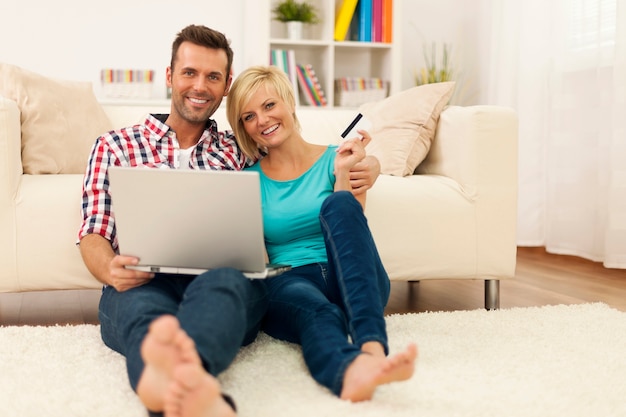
<point>127,83</point>
<point>354,91</point>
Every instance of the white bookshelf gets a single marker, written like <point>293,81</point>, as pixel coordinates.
<point>332,59</point>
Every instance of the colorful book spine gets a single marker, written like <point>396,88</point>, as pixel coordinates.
<point>304,85</point>
<point>353,30</point>
<point>377,20</point>
<point>110,75</point>
<point>283,60</point>
<point>127,83</point>
<point>276,58</point>
<point>318,91</point>
<point>387,21</point>
<point>344,17</point>
<point>290,60</point>
<point>365,23</point>
<point>309,80</point>
<point>354,91</point>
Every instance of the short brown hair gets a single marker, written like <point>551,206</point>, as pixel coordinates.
<point>203,36</point>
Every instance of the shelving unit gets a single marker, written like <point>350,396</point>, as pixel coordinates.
<point>335,59</point>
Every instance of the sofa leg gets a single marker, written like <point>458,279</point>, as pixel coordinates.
<point>492,294</point>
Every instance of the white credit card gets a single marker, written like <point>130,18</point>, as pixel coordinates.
<point>360,122</point>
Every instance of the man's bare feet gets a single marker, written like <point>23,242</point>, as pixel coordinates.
<point>195,393</point>
<point>368,371</point>
<point>165,346</point>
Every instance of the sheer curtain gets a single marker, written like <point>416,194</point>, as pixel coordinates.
<point>562,65</point>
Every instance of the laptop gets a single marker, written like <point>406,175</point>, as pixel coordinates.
<point>190,221</point>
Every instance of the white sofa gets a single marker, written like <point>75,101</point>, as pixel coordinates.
<point>455,219</point>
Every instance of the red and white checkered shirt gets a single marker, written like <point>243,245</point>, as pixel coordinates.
<point>150,144</point>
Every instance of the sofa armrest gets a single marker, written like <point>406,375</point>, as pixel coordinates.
<point>475,145</point>
<point>10,174</point>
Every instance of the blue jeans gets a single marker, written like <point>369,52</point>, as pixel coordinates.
<point>320,305</point>
<point>221,310</point>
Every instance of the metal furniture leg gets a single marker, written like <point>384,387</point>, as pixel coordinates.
<point>492,294</point>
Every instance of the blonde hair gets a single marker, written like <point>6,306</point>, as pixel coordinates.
<point>244,86</point>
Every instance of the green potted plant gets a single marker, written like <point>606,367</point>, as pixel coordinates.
<point>294,14</point>
<point>432,73</point>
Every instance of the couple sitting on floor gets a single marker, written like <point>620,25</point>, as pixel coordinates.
<point>179,332</point>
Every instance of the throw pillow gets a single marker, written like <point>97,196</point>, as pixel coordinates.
<point>403,126</point>
<point>60,120</point>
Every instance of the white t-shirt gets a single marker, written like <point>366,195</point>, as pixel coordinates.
<point>184,155</point>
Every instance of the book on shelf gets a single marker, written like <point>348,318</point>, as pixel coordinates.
<point>377,21</point>
<point>344,18</point>
<point>353,30</point>
<point>310,85</point>
<point>293,76</point>
<point>354,91</point>
<point>372,21</point>
<point>318,91</point>
<point>305,87</point>
<point>365,20</point>
<point>126,83</point>
<point>285,59</point>
<point>387,20</point>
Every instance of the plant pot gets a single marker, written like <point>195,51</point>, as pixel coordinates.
<point>294,30</point>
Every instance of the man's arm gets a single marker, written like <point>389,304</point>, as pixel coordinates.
<point>364,174</point>
<point>95,245</point>
<point>349,154</point>
<point>109,268</point>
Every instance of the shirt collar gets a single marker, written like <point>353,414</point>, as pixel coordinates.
<point>156,124</point>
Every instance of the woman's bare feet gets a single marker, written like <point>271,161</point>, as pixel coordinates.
<point>195,393</point>
<point>368,371</point>
<point>165,346</point>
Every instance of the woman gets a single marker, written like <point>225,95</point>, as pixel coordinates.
<point>337,288</point>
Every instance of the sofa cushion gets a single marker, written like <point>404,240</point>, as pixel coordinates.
<point>60,120</point>
<point>403,126</point>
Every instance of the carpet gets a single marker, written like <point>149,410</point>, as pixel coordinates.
<point>565,360</point>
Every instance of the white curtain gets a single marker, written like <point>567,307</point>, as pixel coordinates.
<point>562,65</point>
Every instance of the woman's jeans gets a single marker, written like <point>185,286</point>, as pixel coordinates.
<point>320,305</point>
<point>221,310</point>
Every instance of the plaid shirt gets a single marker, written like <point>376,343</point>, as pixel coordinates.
<point>150,144</point>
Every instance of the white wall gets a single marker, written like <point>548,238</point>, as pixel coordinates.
<point>72,39</point>
<point>457,22</point>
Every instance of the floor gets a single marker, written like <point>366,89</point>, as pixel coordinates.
<point>541,279</point>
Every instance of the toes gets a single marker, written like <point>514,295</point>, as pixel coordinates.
<point>164,328</point>
<point>188,376</point>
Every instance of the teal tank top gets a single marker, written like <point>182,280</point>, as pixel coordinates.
<point>293,234</point>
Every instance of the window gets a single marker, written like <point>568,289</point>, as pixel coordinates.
<point>591,24</point>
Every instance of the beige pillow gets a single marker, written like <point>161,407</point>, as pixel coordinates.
<point>403,126</point>
<point>60,120</point>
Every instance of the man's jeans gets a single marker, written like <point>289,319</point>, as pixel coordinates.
<point>220,310</point>
<point>320,305</point>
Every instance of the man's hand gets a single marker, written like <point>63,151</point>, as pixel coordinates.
<point>364,174</point>
<point>109,268</point>
<point>122,278</point>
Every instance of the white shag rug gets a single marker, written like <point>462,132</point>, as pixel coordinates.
<point>548,361</point>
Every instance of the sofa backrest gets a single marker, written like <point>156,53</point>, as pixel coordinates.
<point>319,125</point>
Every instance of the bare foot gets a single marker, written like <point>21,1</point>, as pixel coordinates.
<point>165,346</point>
<point>195,393</point>
<point>369,371</point>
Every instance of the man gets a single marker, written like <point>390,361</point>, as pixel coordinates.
<point>177,332</point>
